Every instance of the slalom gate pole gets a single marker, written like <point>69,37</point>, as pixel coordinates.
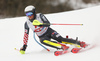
<point>39,43</point>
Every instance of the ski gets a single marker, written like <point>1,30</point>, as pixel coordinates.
<point>77,50</point>
<point>57,53</point>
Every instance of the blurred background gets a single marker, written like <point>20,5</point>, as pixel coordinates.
<point>15,8</point>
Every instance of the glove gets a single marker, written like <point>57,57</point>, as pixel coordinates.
<point>36,22</point>
<point>22,50</point>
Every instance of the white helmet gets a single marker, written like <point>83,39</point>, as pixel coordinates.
<point>29,8</point>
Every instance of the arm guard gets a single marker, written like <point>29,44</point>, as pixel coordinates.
<point>45,20</point>
<point>25,39</point>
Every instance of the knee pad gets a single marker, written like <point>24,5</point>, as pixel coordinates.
<point>55,34</point>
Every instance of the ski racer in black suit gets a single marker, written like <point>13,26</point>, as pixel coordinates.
<point>44,32</point>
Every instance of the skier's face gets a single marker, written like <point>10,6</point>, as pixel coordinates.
<point>31,17</point>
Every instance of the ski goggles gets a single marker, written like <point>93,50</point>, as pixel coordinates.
<point>29,14</point>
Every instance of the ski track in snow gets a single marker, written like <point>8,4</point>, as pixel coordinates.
<point>12,31</point>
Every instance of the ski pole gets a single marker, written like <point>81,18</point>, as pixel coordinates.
<point>16,49</point>
<point>39,43</point>
<point>36,22</point>
<point>64,24</point>
<point>59,24</point>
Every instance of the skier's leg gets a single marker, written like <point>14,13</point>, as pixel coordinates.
<point>46,41</point>
<point>59,38</point>
<point>54,44</point>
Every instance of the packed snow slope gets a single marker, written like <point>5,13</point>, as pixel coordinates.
<point>12,31</point>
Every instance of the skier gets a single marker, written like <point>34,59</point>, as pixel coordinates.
<point>44,32</point>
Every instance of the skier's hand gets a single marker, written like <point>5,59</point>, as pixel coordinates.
<point>36,22</point>
<point>22,50</point>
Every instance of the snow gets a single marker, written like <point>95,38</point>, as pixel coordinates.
<point>12,31</point>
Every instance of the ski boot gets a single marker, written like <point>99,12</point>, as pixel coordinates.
<point>83,44</point>
<point>64,47</point>
<point>63,51</point>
